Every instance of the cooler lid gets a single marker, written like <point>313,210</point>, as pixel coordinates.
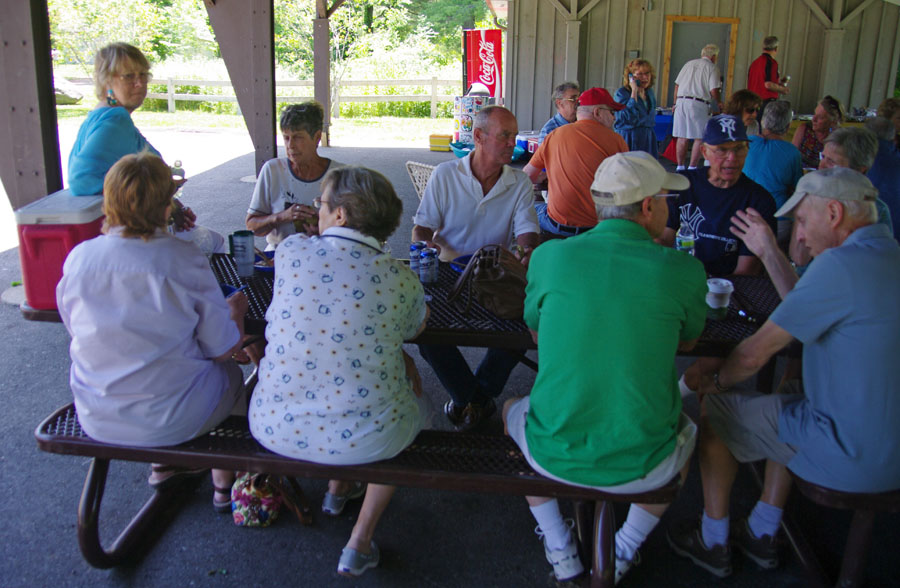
<point>61,208</point>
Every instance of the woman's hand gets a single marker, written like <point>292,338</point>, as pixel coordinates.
<point>412,372</point>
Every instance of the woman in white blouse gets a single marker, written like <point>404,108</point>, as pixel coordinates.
<point>152,336</point>
<point>335,385</point>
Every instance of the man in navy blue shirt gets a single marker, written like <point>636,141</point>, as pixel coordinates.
<point>716,193</point>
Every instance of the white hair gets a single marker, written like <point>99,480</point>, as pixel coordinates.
<point>710,50</point>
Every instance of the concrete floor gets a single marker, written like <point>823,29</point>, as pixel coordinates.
<point>428,538</point>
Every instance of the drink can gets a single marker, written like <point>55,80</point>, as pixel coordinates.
<point>428,266</point>
<point>415,249</point>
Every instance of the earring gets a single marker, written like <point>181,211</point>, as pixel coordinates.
<point>111,98</point>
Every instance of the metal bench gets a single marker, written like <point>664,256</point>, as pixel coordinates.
<point>436,459</point>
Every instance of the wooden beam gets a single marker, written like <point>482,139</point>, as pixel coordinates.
<point>837,11</point>
<point>818,13</point>
<point>322,72</point>
<point>562,9</point>
<point>856,12</point>
<point>590,6</point>
<point>245,32</point>
<point>29,147</point>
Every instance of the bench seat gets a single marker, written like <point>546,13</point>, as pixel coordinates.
<point>436,459</point>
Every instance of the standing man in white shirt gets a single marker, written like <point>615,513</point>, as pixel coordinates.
<point>697,86</point>
<point>468,203</point>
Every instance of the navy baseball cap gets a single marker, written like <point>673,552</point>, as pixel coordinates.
<point>723,128</point>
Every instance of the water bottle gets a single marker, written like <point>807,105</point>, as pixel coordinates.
<point>684,239</point>
<point>177,170</point>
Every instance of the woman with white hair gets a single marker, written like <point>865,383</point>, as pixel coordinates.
<point>773,162</point>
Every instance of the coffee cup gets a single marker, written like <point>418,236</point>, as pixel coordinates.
<point>240,244</point>
<point>719,294</point>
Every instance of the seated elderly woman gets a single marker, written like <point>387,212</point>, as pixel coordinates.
<point>745,104</point>
<point>810,136</point>
<point>282,199</point>
<point>774,163</point>
<point>335,386</point>
<point>637,121</point>
<point>890,109</point>
<point>121,76</point>
<point>152,335</point>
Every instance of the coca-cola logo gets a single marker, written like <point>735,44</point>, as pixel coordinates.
<point>488,74</point>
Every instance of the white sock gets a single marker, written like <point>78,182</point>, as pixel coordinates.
<point>679,168</point>
<point>634,532</point>
<point>692,167</point>
<point>683,387</point>
<point>554,528</point>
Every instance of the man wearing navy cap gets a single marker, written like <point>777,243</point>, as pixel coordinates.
<point>716,193</point>
<point>571,155</point>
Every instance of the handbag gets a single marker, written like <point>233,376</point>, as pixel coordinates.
<point>256,500</point>
<point>496,279</point>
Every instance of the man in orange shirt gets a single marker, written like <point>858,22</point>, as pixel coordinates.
<point>571,155</point>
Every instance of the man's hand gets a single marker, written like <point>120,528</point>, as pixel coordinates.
<point>523,254</point>
<point>751,228</point>
<point>239,306</point>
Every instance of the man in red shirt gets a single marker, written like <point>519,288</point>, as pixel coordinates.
<point>763,77</point>
<point>571,155</point>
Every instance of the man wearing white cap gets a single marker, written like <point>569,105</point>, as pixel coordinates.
<point>605,412</point>
<point>839,429</point>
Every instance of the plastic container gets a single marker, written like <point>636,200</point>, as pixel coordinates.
<point>439,142</point>
<point>48,229</point>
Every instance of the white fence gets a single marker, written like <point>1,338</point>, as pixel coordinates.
<point>433,97</point>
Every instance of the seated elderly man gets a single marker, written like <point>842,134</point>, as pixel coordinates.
<point>571,156</point>
<point>605,412</point>
<point>565,98</point>
<point>839,430</point>
<point>715,194</point>
<point>469,203</point>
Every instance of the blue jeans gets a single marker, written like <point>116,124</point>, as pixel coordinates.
<point>549,225</point>
<point>457,378</point>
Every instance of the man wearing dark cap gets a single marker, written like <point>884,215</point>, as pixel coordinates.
<point>839,428</point>
<point>715,194</point>
<point>571,154</point>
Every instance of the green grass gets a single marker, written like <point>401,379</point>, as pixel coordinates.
<point>345,132</point>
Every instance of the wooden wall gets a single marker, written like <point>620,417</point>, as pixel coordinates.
<point>536,47</point>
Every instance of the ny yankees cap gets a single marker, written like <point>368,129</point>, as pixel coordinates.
<point>626,178</point>
<point>723,128</point>
<point>836,183</point>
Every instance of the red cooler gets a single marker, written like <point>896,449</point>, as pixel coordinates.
<point>48,229</point>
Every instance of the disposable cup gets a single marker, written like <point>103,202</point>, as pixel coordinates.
<point>241,246</point>
<point>719,294</point>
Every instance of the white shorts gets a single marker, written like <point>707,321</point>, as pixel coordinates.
<point>690,119</point>
<point>659,476</point>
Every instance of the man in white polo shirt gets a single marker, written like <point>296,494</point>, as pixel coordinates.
<point>697,86</point>
<point>468,203</point>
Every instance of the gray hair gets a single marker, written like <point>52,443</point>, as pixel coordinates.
<point>777,117</point>
<point>882,127</point>
<point>770,43</point>
<point>306,116</point>
<point>367,197</point>
<point>710,50</point>
<point>564,87</point>
<point>859,146</point>
<point>626,211</point>
<point>861,212</point>
<point>110,60</point>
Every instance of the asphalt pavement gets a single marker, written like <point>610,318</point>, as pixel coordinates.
<point>428,538</point>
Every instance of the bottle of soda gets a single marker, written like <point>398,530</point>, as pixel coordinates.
<point>684,239</point>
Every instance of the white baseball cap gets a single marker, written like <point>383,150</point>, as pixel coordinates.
<point>837,183</point>
<point>626,178</point>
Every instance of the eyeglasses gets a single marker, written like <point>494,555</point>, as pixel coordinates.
<point>737,150</point>
<point>318,202</point>
<point>751,109</point>
<point>131,78</point>
<point>573,100</point>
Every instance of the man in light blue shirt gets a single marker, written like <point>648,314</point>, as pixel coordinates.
<point>838,430</point>
<point>565,98</point>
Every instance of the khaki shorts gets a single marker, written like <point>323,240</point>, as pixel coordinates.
<point>655,478</point>
<point>690,119</point>
<point>747,422</point>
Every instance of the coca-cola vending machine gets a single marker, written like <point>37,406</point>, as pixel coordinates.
<point>483,60</point>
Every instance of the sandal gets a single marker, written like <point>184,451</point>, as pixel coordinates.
<point>223,506</point>
<point>334,505</point>
<point>172,476</point>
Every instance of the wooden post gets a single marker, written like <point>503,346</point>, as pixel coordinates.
<point>322,73</point>
<point>433,96</point>
<point>170,90</point>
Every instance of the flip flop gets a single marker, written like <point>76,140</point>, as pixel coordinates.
<point>176,476</point>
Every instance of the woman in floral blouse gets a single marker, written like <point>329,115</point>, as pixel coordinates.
<point>335,385</point>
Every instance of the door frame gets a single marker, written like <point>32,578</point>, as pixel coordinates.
<point>671,19</point>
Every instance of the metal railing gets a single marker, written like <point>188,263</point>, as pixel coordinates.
<point>432,84</point>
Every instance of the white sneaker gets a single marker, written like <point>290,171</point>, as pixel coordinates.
<point>566,563</point>
<point>623,565</point>
<point>684,389</point>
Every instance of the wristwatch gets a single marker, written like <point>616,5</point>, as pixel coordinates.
<point>719,386</point>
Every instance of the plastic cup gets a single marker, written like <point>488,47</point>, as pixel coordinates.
<point>719,295</point>
<point>240,244</point>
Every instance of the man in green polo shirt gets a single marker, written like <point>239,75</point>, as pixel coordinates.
<point>609,309</point>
